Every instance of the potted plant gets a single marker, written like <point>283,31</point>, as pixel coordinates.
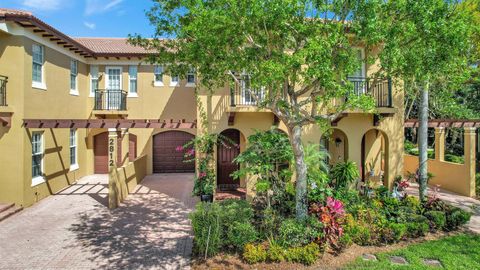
<point>207,191</point>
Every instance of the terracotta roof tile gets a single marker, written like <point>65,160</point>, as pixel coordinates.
<point>4,11</point>
<point>111,46</point>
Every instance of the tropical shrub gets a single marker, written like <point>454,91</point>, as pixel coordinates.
<point>394,232</point>
<point>254,253</point>
<point>235,211</point>
<point>412,203</point>
<point>207,228</point>
<point>417,226</point>
<point>276,253</point>
<point>437,219</point>
<point>307,254</point>
<point>294,233</point>
<point>331,216</point>
<point>240,233</point>
<point>344,174</point>
<point>456,218</point>
<point>317,173</point>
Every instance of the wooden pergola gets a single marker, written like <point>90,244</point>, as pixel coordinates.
<point>445,123</point>
<point>108,123</point>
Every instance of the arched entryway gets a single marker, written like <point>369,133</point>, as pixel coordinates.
<point>335,142</point>
<point>374,148</point>
<point>226,153</point>
<point>166,158</point>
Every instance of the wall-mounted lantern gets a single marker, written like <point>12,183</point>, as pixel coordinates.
<point>338,141</point>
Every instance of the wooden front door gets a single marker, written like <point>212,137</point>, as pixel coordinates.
<point>225,156</point>
<point>166,158</point>
<point>100,152</point>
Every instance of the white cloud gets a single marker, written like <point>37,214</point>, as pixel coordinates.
<point>100,6</point>
<point>42,4</point>
<point>91,26</point>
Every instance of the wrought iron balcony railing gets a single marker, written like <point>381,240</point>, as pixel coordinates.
<point>380,90</point>
<point>3,90</point>
<point>110,100</point>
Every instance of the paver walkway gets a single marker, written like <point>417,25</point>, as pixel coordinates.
<point>463,202</point>
<point>75,230</point>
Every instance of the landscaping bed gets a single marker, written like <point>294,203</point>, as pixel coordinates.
<point>344,219</point>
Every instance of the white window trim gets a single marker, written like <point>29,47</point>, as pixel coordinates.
<point>92,91</point>
<point>39,85</point>
<point>39,179</point>
<point>131,94</point>
<point>191,72</point>
<point>155,82</point>
<point>74,92</point>
<point>173,83</point>
<point>121,75</point>
<point>74,166</point>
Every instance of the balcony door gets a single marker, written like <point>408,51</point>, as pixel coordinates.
<point>113,82</point>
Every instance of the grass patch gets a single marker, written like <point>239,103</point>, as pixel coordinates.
<point>455,252</point>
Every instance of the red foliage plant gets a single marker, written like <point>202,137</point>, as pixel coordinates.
<point>331,215</point>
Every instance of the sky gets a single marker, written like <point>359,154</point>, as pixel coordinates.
<point>90,18</point>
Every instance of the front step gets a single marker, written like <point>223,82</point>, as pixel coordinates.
<point>238,194</point>
<point>7,210</point>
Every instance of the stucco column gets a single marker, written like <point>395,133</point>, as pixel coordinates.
<point>113,199</point>
<point>440,143</point>
<point>125,146</point>
<point>469,152</point>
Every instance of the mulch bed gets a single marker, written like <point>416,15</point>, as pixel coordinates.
<point>327,261</point>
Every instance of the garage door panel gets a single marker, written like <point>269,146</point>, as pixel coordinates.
<point>166,159</point>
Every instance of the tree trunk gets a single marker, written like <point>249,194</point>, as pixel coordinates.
<point>301,170</point>
<point>423,142</point>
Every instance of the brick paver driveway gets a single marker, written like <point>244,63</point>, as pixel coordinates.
<point>75,230</point>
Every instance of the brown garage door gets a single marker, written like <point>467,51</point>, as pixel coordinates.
<point>166,159</point>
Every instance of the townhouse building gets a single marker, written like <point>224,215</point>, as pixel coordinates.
<point>61,98</point>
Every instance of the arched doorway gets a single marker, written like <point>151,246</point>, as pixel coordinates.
<point>374,156</point>
<point>335,142</point>
<point>166,158</point>
<point>226,153</point>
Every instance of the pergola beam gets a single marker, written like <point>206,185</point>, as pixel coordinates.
<point>107,123</point>
<point>445,123</point>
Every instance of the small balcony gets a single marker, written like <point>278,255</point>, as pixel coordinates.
<point>110,102</point>
<point>3,90</point>
<point>380,90</point>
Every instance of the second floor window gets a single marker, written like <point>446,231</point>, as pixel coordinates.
<point>158,73</point>
<point>37,68</point>
<point>73,149</point>
<point>191,76</point>
<point>37,157</point>
<point>73,75</point>
<point>132,77</point>
<point>93,79</point>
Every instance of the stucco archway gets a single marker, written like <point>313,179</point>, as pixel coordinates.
<point>375,157</point>
<point>335,141</point>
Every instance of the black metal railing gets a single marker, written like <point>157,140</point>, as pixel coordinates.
<point>110,100</point>
<point>379,89</point>
<point>241,94</point>
<point>3,90</point>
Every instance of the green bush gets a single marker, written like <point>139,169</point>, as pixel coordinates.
<point>437,219</point>
<point>477,185</point>
<point>456,218</point>
<point>345,240</point>
<point>394,232</point>
<point>361,235</point>
<point>254,253</point>
<point>241,233</point>
<point>344,174</point>
<point>207,228</point>
<point>293,233</point>
<point>235,211</point>
<point>417,229</point>
<point>276,253</point>
<point>307,254</point>
<point>454,158</point>
<point>412,202</point>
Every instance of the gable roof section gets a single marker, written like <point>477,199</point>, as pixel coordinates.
<point>86,47</point>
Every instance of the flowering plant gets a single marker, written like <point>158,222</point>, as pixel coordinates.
<point>332,216</point>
